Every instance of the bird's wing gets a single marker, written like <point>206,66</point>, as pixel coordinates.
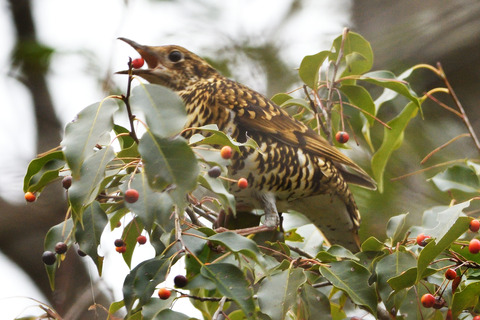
<point>257,113</point>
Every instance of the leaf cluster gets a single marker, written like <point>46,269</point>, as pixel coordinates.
<point>278,276</point>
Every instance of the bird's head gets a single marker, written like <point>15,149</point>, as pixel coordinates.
<point>171,66</point>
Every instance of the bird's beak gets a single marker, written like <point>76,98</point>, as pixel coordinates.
<point>147,53</point>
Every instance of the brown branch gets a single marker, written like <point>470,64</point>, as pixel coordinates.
<point>465,119</point>
<point>443,146</point>
<point>443,105</point>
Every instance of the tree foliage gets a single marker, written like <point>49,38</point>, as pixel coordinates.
<point>247,277</point>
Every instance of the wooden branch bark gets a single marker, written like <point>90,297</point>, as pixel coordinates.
<point>23,227</point>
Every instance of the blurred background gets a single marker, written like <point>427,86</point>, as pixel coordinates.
<point>58,56</point>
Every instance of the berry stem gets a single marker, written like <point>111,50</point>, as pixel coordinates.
<point>126,100</point>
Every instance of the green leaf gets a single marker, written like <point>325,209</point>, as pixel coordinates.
<point>390,266</point>
<point>219,138</point>
<point>386,79</point>
<point>160,309</point>
<point>466,298</point>
<point>238,244</point>
<point>372,244</point>
<point>88,236</point>
<point>451,225</point>
<point>408,278</point>
<point>394,228</point>
<point>310,68</point>
<point>278,293</point>
<point>151,206</point>
<point>230,282</point>
<point>392,139</point>
<point>361,98</point>
<point>169,163</point>
<point>227,200</point>
<point>140,283</point>
<point>130,233</point>
<point>82,134</point>
<point>352,278</point>
<point>357,53</point>
<point>126,141</point>
<point>56,234</point>
<point>86,186</point>
<point>115,306</point>
<point>280,98</point>
<point>168,314</point>
<point>459,178</point>
<point>315,304</point>
<point>43,170</point>
<point>164,111</point>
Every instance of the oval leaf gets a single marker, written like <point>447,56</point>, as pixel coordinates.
<point>230,282</point>
<point>352,278</point>
<point>169,162</point>
<point>82,134</point>
<point>278,293</point>
<point>164,111</point>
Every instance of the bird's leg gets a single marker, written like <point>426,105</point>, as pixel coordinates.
<point>272,219</point>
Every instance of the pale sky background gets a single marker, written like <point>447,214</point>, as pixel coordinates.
<point>72,26</point>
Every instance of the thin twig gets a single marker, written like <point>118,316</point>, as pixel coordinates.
<point>202,299</point>
<point>443,105</point>
<point>465,119</point>
<point>368,114</point>
<point>219,310</point>
<point>126,100</point>
<point>443,146</point>
<point>300,252</point>
<point>427,169</point>
<point>315,111</point>
<point>331,84</point>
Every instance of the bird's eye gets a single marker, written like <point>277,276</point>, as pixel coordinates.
<point>175,56</point>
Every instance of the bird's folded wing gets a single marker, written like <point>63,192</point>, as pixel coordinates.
<point>255,112</point>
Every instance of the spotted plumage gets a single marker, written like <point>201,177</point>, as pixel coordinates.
<point>293,168</point>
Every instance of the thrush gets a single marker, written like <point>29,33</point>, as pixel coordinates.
<point>294,168</point>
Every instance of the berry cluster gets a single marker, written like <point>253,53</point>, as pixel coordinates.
<point>49,257</point>
<point>180,281</point>
<point>454,275</point>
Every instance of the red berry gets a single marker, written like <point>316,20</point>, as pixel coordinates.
<point>476,318</point>
<point>131,195</point>
<point>427,300</point>
<point>214,172</point>
<point>119,243</point>
<point>164,293</point>
<point>61,247</point>
<point>474,225</point>
<point>48,257</point>
<point>342,137</point>
<point>180,281</point>
<point>242,183</point>
<point>421,239</point>
<point>30,196</point>
<point>456,282</point>
<point>121,249</point>
<point>450,274</point>
<point>67,182</point>
<point>226,152</point>
<point>474,246</point>
<point>141,239</point>
<point>137,63</point>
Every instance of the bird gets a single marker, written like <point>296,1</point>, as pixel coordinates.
<point>293,168</point>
